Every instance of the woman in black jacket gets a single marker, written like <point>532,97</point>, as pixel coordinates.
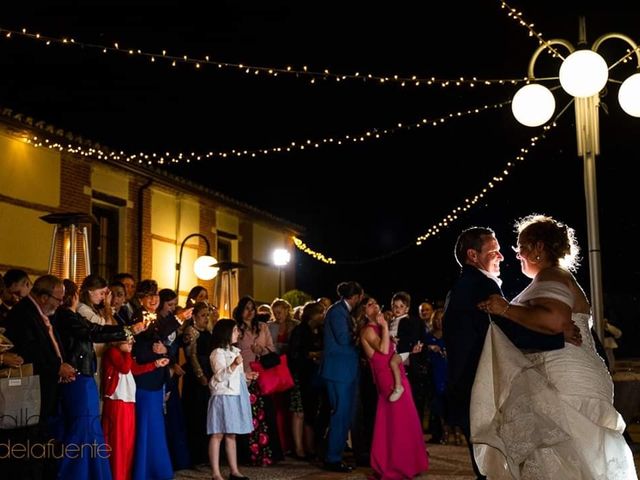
<point>80,400</point>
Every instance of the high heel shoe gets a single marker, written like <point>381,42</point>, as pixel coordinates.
<point>237,477</point>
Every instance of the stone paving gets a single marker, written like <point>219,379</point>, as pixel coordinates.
<point>447,462</point>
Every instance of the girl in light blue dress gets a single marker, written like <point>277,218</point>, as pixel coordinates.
<point>229,410</point>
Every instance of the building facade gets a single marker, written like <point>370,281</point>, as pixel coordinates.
<point>142,214</point>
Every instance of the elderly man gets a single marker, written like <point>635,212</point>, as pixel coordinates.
<point>36,340</point>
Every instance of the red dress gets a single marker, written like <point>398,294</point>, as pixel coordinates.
<point>398,450</point>
<point>119,416</point>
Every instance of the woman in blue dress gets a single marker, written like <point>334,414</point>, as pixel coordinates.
<point>82,429</point>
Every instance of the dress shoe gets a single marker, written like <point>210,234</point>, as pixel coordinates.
<point>337,467</point>
<point>236,477</point>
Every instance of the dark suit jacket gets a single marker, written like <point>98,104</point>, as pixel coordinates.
<point>410,331</point>
<point>31,339</point>
<point>340,356</point>
<point>465,328</point>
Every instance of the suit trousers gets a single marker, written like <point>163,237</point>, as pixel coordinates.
<point>342,401</point>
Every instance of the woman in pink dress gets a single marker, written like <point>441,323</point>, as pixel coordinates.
<point>398,450</point>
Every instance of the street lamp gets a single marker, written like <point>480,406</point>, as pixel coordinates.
<point>281,258</point>
<point>583,74</point>
<point>202,267</point>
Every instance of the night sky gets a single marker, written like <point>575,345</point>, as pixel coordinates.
<point>357,202</point>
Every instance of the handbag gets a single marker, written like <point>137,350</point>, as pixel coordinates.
<point>269,360</point>
<point>19,399</point>
<point>275,379</point>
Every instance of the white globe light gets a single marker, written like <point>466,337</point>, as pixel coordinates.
<point>281,257</point>
<point>203,269</point>
<point>533,105</point>
<point>629,95</point>
<point>583,73</point>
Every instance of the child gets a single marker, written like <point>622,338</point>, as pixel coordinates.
<point>229,411</point>
<point>119,408</point>
<point>363,316</point>
<point>398,389</point>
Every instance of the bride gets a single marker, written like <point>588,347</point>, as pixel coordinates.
<point>546,415</point>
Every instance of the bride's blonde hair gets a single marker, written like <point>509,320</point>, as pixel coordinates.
<point>559,240</point>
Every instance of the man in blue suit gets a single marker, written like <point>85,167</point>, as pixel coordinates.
<point>465,326</point>
<point>339,370</point>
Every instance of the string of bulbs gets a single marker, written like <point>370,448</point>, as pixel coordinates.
<point>312,76</point>
<point>151,158</point>
<point>447,220</point>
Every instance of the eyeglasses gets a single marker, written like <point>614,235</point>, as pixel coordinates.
<point>60,300</point>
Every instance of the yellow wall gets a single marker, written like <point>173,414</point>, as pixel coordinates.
<point>265,241</point>
<point>163,269</point>
<point>189,221</point>
<point>266,277</point>
<point>109,181</point>
<point>25,239</point>
<point>28,173</point>
<point>174,217</point>
<point>163,214</point>
<point>265,283</point>
<point>228,223</point>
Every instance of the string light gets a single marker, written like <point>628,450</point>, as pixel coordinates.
<point>167,158</point>
<point>311,75</point>
<point>318,256</point>
<point>517,16</point>
<point>448,219</point>
<point>471,201</point>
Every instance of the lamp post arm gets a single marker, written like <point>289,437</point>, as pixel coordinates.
<point>179,264</point>
<point>542,48</point>
<point>620,36</point>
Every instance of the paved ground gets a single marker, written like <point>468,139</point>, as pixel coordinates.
<point>447,462</point>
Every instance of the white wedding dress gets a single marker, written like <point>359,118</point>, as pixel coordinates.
<point>547,415</point>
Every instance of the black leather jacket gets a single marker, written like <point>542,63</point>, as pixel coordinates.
<point>78,335</point>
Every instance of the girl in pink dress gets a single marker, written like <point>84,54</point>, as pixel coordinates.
<point>398,451</point>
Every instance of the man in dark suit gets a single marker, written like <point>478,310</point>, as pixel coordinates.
<point>339,369</point>
<point>477,251</point>
<point>37,341</point>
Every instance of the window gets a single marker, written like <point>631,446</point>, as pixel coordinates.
<point>224,250</point>
<point>104,240</point>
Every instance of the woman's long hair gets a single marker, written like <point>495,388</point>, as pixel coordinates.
<point>237,315</point>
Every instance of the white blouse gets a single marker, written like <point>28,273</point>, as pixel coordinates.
<point>224,380</point>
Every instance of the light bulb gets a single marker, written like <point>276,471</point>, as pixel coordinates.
<point>629,95</point>
<point>203,269</point>
<point>583,73</point>
<point>281,257</point>
<point>533,105</point>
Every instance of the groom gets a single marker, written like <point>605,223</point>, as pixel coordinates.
<point>339,369</point>
<point>477,251</point>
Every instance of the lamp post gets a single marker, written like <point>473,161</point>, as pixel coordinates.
<point>202,267</point>
<point>281,258</point>
<point>583,74</point>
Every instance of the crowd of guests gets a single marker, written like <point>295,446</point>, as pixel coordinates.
<point>122,365</point>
